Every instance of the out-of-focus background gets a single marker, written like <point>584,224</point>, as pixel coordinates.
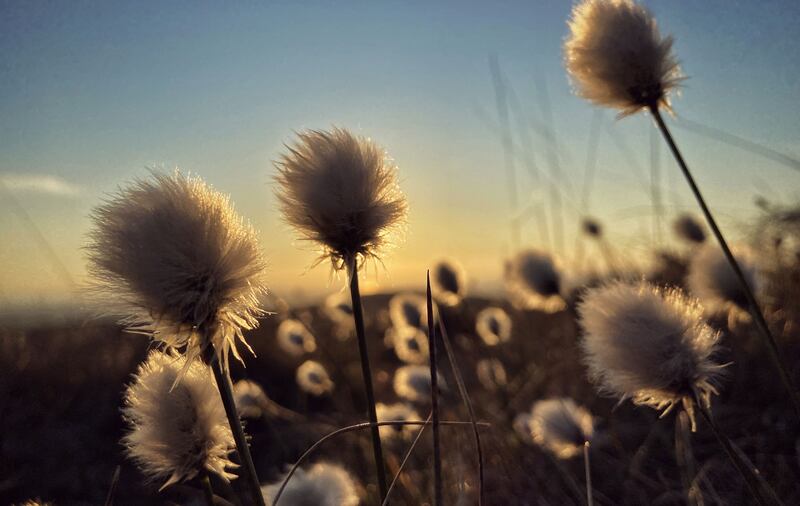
<point>93,93</point>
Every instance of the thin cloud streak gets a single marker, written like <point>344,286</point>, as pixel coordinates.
<point>39,183</point>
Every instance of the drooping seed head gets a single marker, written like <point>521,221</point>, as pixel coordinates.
<point>712,279</point>
<point>561,427</point>
<point>176,430</point>
<point>295,339</point>
<point>649,345</point>
<point>323,484</point>
<point>616,57</point>
<point>448,282</point>
<point>533,282</point>
<point>313,378</point>
<point>493,325</point>
<point>340,191</point>
<point>172,257</point>
<point>396,412</point>
<point>687,228</point>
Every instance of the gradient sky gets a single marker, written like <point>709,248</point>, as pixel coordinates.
<point>92,93</point>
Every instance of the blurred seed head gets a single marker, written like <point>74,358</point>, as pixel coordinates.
<point>250,398</point>
<point>492,374</point>
<point>171,255</point>
<point>396,412</point>
<point>712,279</point>
<point>339,308</point>
<point>295,339</point>
<point>522,426</point>
<point>650,345</point>
<point>493,325</point>
<point>592,228</point>
<point>533,282</point>
<point>689,229</point>
<point>410,344</point>
<point>616,57</point>
<point>176,430</point>
<point>413,382</point>
<point>408,310</point>
<point>340,191</point>
<point>448,282</point>
<point>561,427</point>
<point>313,378</point>
<point>323,484</point>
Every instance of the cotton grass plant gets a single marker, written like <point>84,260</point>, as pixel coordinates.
<point>313,378</point>
<point>171,255</point>
<point>493,326</point>
<point>448,282</point>
<point>322,484</point>
<point>616,57</point>
<point>295,339</point>
<point>533,282</point>
<point>339,191</point>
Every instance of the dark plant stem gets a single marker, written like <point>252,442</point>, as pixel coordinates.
<point>744,471</point>
<point>755,310</point>
<point>587,468</point>
<point>437,451</point>
<point>208,491</point>
<point>226,394</point>
<point>462,389</point>
<point>113,488</point>
<point>405,461</point>
<point>366,372</point>
<point>351,428</point>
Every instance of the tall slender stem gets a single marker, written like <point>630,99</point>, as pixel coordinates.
<point>755,310</point>
<point>226,393</point>
<point>437,451</point>
<point>366,372</point>
<point>587,469</point>
<point>750,479</point>
<point>405,461</point>
<point>208,491</point>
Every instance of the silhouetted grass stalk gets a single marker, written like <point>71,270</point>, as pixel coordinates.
<point>587,468</point>
<point>366,372</point>
<point>208,491</point>
<point>226,394</point>
<point>351,428</point>
<point>437,452</point>
<point>462,390</point>
<point>755,310</point>
<point>405,460</point>
<point>744,470</point>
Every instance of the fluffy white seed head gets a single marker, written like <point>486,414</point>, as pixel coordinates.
<point>712,279</point>
<point>250,399</point>
<point>492,374</point>
<point>650,345</point>
<point>689,229</point>
<point>413,382</point>
<point>617,58</point>
<point>448,282</point>
<point>340,191</point>
<point>408,310</point>
<point>323,484</point>
<point>533,282</point>
<point>410,344</point>
<point>522,426</point>
<point>313,378</point>
<point>493,325</point>
<point>176,430</point>
<point>396,412</point>
<point>561,427</point>
<point>171,255</point>
<point>295,339</point>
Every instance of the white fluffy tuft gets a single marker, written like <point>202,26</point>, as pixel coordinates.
<point>493,325</point>
<point>448,282</point>
<point>413,382</point>
<point>177,430</point>
<point>712,279</point>
<point>251,400</point>
<point>650,345</point>
<point>340,191</point>
<point>617,58</point>
<point>295,339</point>
<point>396,412</point>
<point>689,229</point>
<point>408,310</point>
<point>313,378</point>
<point>492,374</point>
<point>324,484</point>
<point>171,255</point>
<point>561,427</point>
<point>533,282</point>
<point>410,344</point>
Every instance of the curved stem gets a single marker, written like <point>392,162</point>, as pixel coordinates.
<point>744,471</point>
<point>437,451</point>
<point>755,310</point>
<point>366,372</point>
<point>405,460</point>
<point>351,428</point>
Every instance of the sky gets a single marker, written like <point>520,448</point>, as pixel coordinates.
<point>93,94</point>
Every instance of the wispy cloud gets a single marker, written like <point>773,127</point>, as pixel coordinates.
<point>38,183</point>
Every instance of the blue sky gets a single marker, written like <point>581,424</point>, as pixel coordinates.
<point>91,93</point>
